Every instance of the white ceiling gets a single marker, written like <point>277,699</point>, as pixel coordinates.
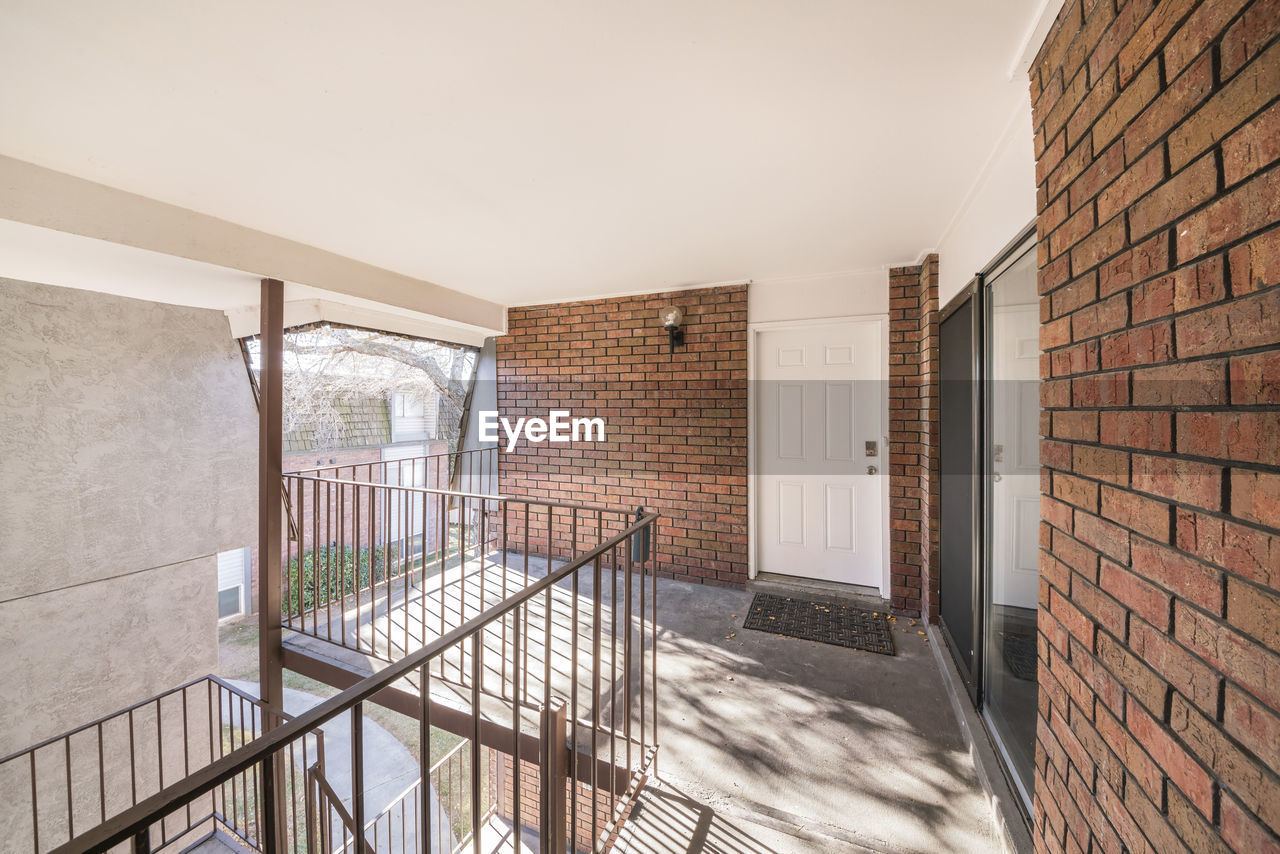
<point>531,151</point>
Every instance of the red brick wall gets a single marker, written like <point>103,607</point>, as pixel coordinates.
<point>1156,128</point>
<point>676,423</point>
<point>585,832</point>
<point>913,437</point>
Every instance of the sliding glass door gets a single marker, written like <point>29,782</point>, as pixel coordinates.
<point>1011,481</point>
<point>989,340</point>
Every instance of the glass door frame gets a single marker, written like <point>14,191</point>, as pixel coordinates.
<point>985,280</point>
<point>974,680</point>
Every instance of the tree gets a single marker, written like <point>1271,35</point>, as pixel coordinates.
<point>326,366</point>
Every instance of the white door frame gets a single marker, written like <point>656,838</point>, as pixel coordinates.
<point>753,331</point>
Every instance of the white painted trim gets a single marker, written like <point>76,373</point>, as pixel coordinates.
<point>569,300</point>
<point>753,330</point>
<point>766,325</point>
<point>886,587</point>
<point>246,320</point>
<point>924,253</point>
<point>806,277</point>
<point>1033,40</point>
<point>981,178</point>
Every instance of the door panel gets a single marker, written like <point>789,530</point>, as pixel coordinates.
<point>790,513</point>
<point>819,399</point>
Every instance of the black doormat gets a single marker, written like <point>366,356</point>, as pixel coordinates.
<point>1020,655</point>
<point>824,622</point>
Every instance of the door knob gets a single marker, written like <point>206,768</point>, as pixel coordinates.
<point>872,470</point>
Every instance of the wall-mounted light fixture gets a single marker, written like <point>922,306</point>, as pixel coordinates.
<point>671,317</point>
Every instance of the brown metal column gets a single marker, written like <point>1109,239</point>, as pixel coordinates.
<point>270,463</point>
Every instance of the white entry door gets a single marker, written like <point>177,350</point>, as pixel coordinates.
<point>820,399</point>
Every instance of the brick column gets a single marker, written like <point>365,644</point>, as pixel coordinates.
<point>913,437</point>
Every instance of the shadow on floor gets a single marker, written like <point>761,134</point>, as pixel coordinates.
<point>665,819</point>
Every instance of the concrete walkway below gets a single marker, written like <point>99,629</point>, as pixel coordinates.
<point>770,744</point>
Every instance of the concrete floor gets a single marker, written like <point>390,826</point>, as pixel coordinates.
<point>774,744</point>
<point>770,744</point>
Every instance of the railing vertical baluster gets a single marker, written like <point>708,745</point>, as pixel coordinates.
<point>462,585</point>
<point>406,532</point>
<point>357,774</point>
<point>643,583</point>
<point>160,754</point>
<point>595,689</point>
<point>516,715</point>
<point>626,650</point>
<point>265,817</point>
<point>574,676</point>
<point>309,814</point>
<point>328,559</point>
<point>502,682</point>
<point>443,509</point>
<point>653,627</point>
<point>133,774</point>
<point>388,511</point>
<point>528,523</point>
<point>355,557</point>
<point>315,557</point>
<point>71,819</point>
<point>215,719</point>
<point>222,751</point>
<point>613,676</point>
<point>480,548</point>
<point>546,615</point>
<point>286,577</point>
<point>475,745</point>
<point>102,779</point>
<point>342,561</point>
<point>291,807</point>
<point>424,753</point>
<point>35,804</point>
<point>250,791</point>
<point>423,588</point>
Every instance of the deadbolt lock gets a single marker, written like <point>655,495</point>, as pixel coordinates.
<point>871,449</point>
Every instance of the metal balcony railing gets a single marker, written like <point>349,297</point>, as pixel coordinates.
<point>383,568</point>
<point>585,746</point>
<point>475,470</point>
<point>91,774</point>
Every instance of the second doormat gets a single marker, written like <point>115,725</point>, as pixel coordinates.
<point>824,622</point>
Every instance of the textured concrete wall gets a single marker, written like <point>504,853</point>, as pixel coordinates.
<point>128,452</point>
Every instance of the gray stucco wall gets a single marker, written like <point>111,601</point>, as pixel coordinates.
<point>128,459</point>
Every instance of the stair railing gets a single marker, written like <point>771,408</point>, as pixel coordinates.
<point>90,774</point>
<point>581,753</point>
